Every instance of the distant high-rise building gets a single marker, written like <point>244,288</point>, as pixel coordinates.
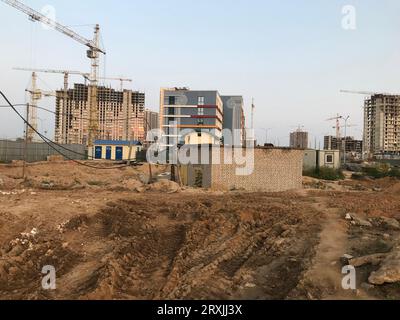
<point>299,139</point>
<point>234,120</point>
<point>382,125</point>
<point>151,121</point>
<point>120,115</point>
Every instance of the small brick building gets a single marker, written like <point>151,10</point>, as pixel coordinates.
<point>274,170</point>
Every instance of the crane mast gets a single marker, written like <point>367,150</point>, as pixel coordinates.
<point>32,109</point>
<point>92,53</point>
<point>337,119</point>
<point>36,94</point>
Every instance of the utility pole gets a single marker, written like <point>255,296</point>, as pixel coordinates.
<point>26,141</point>
<point>252,113</point>
<point>266,134</point>
<point>253,138</point>
<point>345,139</point>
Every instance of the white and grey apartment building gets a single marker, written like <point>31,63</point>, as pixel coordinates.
<point>205,112</point>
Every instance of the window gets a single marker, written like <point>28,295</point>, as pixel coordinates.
<point>329,158</point>
<point>200,101</point>
<point>171,111</point>
<point>171,100</point>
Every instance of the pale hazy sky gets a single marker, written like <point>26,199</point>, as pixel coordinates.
<point>292,56</point>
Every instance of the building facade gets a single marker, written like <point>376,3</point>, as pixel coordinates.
<point>204,112</point>
<point>183,109</point>
<point>151,121</point>
<point>314,159</point>
<point>352,145</point>
<point>120,115</point>
<point>299,139</point>
<point>382,125</point>
<point>115,150</point>
<point>274,170</point>
<point>234,120</point>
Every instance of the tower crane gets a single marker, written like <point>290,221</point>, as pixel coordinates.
<point>66,74</point>
<point>348,126</point>
<point>37,94</point>
<point>92,53</point>
<point>337,119</point>
<point>368,93</point>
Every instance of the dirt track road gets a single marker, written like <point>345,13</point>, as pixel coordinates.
<point>109,238</point>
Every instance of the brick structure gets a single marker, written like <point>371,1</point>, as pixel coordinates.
<point>275,170</point>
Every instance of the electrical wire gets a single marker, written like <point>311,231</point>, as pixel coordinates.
<point>64,113</point>
<point>48,140</point>
<point>59,145</point>
<point>50,144</point>
<point>147,124</point>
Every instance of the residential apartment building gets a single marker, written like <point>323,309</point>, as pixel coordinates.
<point>299,139</point>
<point>120,115</point>
<point>151,121</point>
<point>184,109</point>
<point>234,120</point>
<point>382,125</point>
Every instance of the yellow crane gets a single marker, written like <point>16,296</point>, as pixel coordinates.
<point>93,53</point>
<point>37,94</point>
<point>66,74</point>
<point>337,119</point>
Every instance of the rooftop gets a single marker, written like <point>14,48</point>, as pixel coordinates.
<point>118,142</point>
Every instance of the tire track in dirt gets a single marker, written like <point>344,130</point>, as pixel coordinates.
<point>203,247</point>
<point>324,278</point>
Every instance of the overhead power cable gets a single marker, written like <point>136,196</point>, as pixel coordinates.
<point>55,143</point>
<point>50,143</point>
<point>64,113</point>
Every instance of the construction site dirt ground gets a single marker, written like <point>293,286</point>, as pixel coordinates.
<point>110,235</point>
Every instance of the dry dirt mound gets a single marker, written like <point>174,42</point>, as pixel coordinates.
<point>9,183</point>
<point>207,247</point>
<point>394,189</point>
<point>161,186</point>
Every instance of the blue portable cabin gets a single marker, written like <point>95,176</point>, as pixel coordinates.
<point>119,150</point>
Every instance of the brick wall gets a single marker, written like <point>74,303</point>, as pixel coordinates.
<point>275,170</point>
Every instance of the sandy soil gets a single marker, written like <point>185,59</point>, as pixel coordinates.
<point>111,236</point>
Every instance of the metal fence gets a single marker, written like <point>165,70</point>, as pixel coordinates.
<point>36,151</point>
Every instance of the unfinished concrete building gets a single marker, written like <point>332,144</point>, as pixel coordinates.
<point>382,125</point>
<point>334,143</point>
<point>299,139</point>
<point>120,115</point>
